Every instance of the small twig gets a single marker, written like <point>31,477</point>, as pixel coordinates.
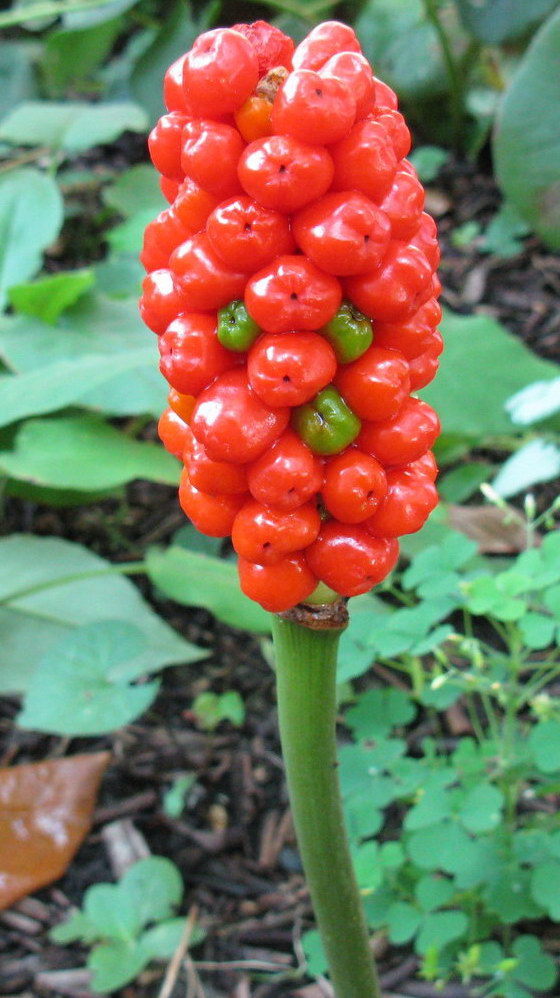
<point>179,955</point>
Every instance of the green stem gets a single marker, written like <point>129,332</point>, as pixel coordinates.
<point>454,75</point>
<point>306,683</point>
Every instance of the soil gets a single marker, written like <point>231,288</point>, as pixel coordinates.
<point>234,841</point>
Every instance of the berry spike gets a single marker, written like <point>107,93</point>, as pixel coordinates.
<point>292,284</point>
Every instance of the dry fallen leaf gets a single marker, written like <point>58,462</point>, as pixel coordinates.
<point>45,813</point>
<point>495,530</point>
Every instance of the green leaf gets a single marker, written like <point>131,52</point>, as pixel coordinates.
<point>471,406</point>
<point>433,892</point>
<point>17,76</point>
<point>378,711</point>
<point>70,57</point>
<point>403,921</point>
<point>504,235</point>
<point>135,190</point>
<point>94,325</point>
<point>497,595</point>
<point>496,21</point>
<point>428,161</point>
<point>537,630</point>
<point>197,580</point>
<point>112,912</point>
<point>434,806</point>
<point>439,929</point>
<point>62,383</point>
<point>509,896</point>
<point>545,887</point>
<point>115,963</point>
<point>403,47</point>
<point>48,297</point>
<point>210,709</point>
<point>354,654</point>
<point>70,126</point>
<point>72,691</point>
<point>544,742</point>
<point>77,926</point>
<point>83,452</point>
<point>161,941</point>
<point>453,552</point>
<point>527,145</point>
<point>69,586</point>
<point>441,846</point>
<point>535,402</point>
<point>367,867</point>
<point>537,461</point>
<point>536,968</point>
<point>103,11</point>
<point>155,887</point>
<point>462,482</point>
<point>314,953</point>
<point>30,219</point>
<point>482,808</point>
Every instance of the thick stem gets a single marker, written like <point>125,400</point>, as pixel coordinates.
<point>306,683</point>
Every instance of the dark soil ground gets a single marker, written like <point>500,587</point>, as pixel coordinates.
<point>234,842</point>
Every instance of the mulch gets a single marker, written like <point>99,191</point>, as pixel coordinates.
<point>234,840</point>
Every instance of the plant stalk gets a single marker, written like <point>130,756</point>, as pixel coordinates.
<point>306,685</point>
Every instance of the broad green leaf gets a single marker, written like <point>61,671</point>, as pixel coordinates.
<point>469,405</point>
<point>403,921</point>
<point>403,47</point>
<point>137,189</point>
<point>462,482</point>
<point>527,145</point>
<point>536,968</point>
<point>433,892</point>
<point>439,929</point>
<point>84,452</point>
<point>115,963</point>
<point>428,161</point>
<point>62,383</point>
<point>535,402</point>
<point>155,887</point>
<point>354,654</point>
<point>544,742</point>
<point>48,297</point>
<point>105,10</point>
<point>509,896</point>
<point>211,708</point>
<point>17,75</point>
<point>537,461</point>
<point>497,595</point>
<point>112,911</point>
<point>68,586</point>
<point>504,234</point>
<point>378,711</point>
<point>537,629</point>
<point>70,126</point>
<point>481,810</point>
<point>77,926</point>
<point>198,580</point>
<point>161,941</point>
<point>70,57</point>
<point>453,552</point>
<point>30,218</point>
<point>433,807</point>
<point>441,846</point>
<point>545,887</point>
<point>94,325</point>
<point>73,692</point>
<point>495,21</point>
<point>314,953</point>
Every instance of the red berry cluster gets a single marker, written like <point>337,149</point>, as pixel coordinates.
<point>292,206</point>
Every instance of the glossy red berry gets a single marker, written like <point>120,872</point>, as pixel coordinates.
<point>280,586</point>
<point>219,72</point>
<point>409,501</point>
<point>283,173</point>
<point>211,514</point>
<point>210,152</point>
<point>322,42</point>
<point>246,235</point>
<point>349,560</point>
<point>312,108</point>
<point>204,279</point>
<point>164,143</point>
<point>292,293</point>
<point>232,422</point>
<point>191,355</point>
<point>266,536</point>
<point>376,385</point>
<point>405,437</point>
<point>287,474</point>
<point>343,233</point>
<point>355,483</point>
<point>290,368</point>
<point>365,161</point>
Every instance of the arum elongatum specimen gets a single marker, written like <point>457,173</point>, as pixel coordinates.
<point>291,284</point>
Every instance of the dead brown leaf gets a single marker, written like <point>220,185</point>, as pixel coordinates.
<point>495,530</point>
<point>45,813</point>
